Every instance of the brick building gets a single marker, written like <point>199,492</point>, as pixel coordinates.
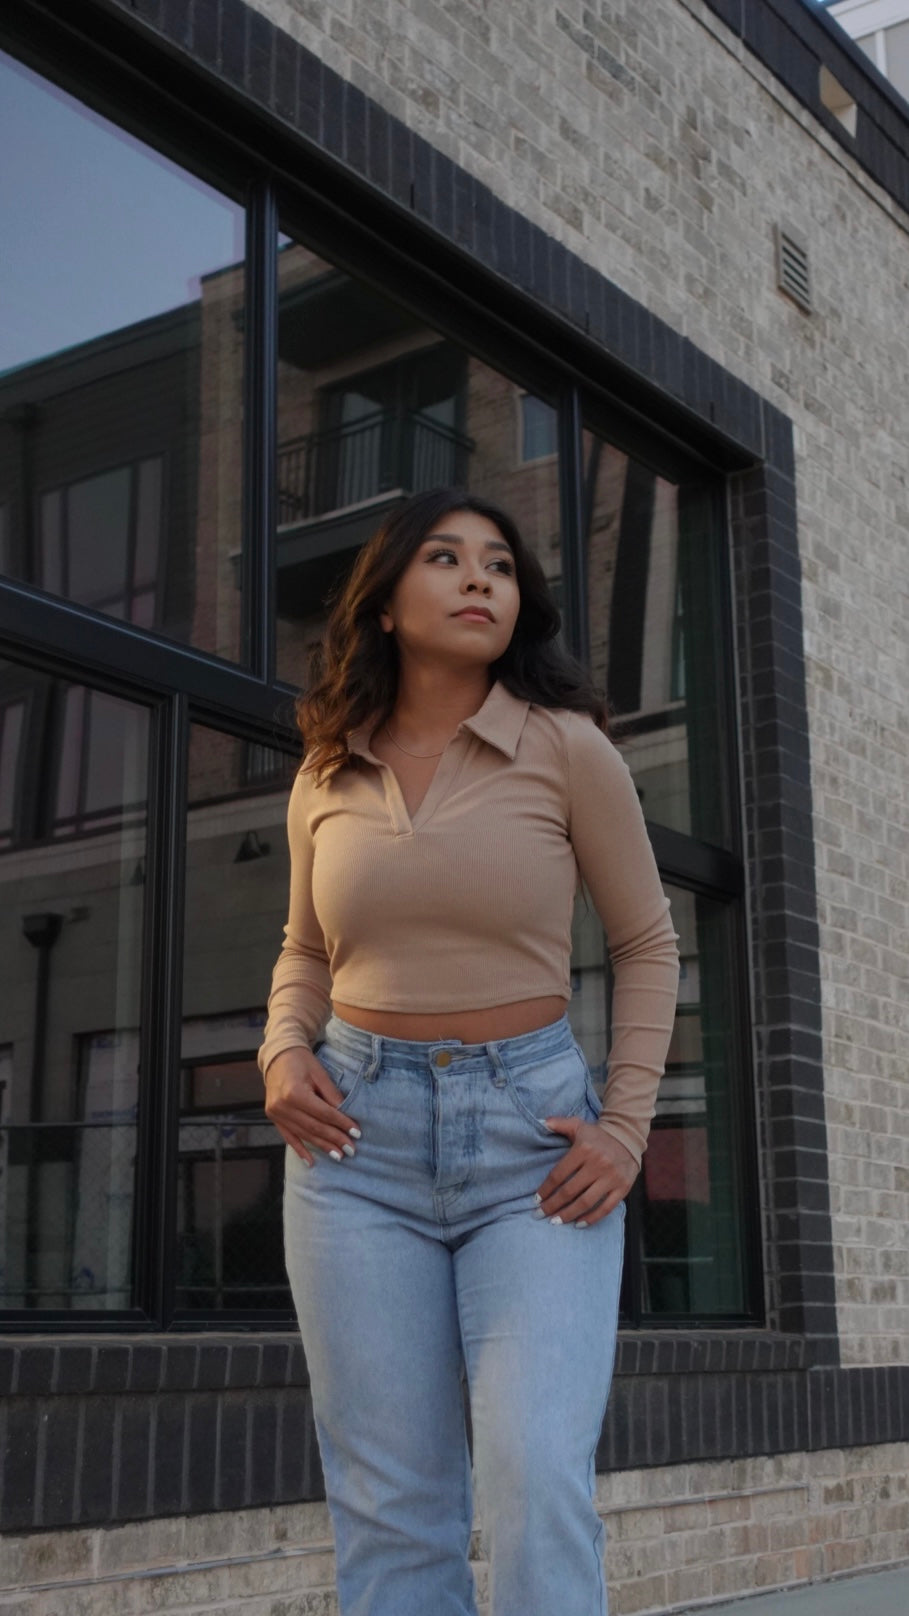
<point>881,28</point>
<point>639,273</point>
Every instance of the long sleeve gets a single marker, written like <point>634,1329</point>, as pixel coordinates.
<point>616,863</point>
<point>300,995</point>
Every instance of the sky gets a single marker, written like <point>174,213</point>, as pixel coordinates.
<point>98,230</point>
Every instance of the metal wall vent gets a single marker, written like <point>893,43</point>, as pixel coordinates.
<point>792,271</point>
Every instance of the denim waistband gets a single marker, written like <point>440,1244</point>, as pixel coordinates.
<point>418,1053</point>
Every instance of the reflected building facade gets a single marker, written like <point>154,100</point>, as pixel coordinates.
<point>373,404</point>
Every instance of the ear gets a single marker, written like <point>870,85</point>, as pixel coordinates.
<point>385,621</point>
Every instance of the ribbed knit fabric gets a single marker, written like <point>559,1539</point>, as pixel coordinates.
<point>470,904</point>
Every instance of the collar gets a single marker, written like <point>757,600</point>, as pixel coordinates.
<point>500,722</point>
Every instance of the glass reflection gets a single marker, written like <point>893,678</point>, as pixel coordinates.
<point>120,401</point>
<point>231,1160</point>
<point>688,1211</point>
<point>654,629</point>
<point>73,770</point>
<point>691,1194</point>
<point>374,405</point>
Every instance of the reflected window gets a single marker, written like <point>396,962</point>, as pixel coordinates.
<point>120,402</point>
<point>229,1256</point>
<point>100,540</point>
<point>539,428</point>
<point>102,769</point>
<point>374,405</point>
<point>230,1174</point>
<point>12,721</point>
<point>387,430</point>
<point>73,922</point>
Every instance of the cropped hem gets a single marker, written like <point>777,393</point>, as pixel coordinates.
<point>494,1003</point>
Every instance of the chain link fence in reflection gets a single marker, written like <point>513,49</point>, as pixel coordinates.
<point>68,1206</point>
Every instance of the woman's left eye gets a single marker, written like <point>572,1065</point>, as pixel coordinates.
<point>505,567</point>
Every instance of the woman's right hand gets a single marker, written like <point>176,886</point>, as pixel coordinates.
<point>302,1102</point>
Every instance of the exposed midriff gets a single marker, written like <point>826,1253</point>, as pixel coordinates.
<point>471,1026</point>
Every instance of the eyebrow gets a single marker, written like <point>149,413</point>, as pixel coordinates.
<point>454,538</point>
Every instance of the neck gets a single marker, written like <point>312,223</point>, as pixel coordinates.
<point>432,702</point>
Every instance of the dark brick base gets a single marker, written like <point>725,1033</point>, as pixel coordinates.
<point>132,1429</point>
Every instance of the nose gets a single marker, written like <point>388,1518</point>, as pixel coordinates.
<point>475,579</point>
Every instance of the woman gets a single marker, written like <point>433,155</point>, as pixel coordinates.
<point>454,1193</point>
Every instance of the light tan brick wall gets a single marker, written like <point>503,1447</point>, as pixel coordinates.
<point>650,142</point>
<point>681,1536</point>
<point>690,1533</point>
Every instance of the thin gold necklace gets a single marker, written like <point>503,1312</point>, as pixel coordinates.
<point>411,754</point>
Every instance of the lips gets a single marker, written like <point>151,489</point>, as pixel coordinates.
<point>476,611</point>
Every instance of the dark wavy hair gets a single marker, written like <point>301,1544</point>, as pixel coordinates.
<point>353,672</point>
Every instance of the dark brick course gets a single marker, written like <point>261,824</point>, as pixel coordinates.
<point>676,1398</point>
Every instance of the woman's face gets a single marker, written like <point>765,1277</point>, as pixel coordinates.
<point>457,600</point>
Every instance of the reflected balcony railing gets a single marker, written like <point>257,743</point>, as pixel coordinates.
<point>385,451</point>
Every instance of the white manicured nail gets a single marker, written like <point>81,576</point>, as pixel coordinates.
<point>538,1199</point>
<point>556,1219</point>
<point>336,1155</point>
<point>355,1133</point>
<point>539,1213</point>
<point>348,1150</point>
<point>581,1223</point>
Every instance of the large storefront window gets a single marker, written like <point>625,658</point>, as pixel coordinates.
<point>121,367</point>
<point>126,467</point>
<point>655,617</point>
<point>73,770</point>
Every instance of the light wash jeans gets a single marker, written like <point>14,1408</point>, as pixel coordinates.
<point>421,1256</point>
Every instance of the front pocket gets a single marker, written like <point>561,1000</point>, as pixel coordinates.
<point>345,1071</point>
<point>558,1087</point>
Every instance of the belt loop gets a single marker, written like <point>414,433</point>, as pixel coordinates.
<point>375,1062</point>
<point>500,1075</point>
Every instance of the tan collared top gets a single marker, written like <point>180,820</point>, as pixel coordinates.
<point>469,904</point>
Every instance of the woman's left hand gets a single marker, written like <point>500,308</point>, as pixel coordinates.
<point>592,1177</point>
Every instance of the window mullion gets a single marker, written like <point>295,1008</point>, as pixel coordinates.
<point>571,497</point>
<point>162,987</point>
<point>260,419</point>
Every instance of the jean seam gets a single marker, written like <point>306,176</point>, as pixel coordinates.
<point>600,1536</point>
<point>466,1517</point>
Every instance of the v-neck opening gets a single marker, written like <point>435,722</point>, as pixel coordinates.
<point>444,775</point>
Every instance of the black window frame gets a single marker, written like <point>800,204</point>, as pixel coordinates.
<point>248,156</point>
